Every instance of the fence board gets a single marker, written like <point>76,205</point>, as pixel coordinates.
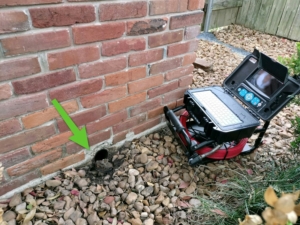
<point>275,16</point>
<point>243,11</point>
<point>287,18</point>
<point>225,4</point>
<point>223,17</point>
<point>252,13</point>
<point>295,29</point>
<point>263,15</point>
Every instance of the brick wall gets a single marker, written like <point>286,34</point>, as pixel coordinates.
<point>112,65</point>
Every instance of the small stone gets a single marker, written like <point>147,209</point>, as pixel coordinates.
<point>195,202</point>
<point>186,177</point>
<point>144,214</point>
<point>75,215</point>
<point>68,213</point>
<point>135,221</point>
<point>138,206</point>
<point>149,221</point>
<point>191,188</point>
<point>81,221</point>
<point>159,199</point>
<point>152,165</point>
<point>16,200</point>
<point>59,205</point>
<point>93,198</point>
<point>9,215</point>
<point>133,172</point>
<point>153,207</point>
<point>109,199</point>
<point>174,177</point>
<point>168,138</point>
<point>53,183</point>
<point>143,158</point>
<point>119,191</point>
<point>93,218</point>
<point>131,198</point>
<point>69,222</point>
<point>82,173</point>
<point>82,182</point>
<point>14,222</point>
<point>181,214</point>
<point>166,201</point>
<point>20,207</point>
<point>147,191</point>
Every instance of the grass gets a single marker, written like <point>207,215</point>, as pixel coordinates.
<point>244,195</point>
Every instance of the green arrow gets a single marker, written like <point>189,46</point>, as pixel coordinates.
<point>79,136</point>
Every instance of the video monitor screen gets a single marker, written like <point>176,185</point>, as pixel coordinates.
<point>265,82</point>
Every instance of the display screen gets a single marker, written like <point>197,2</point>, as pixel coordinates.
<point>265,82</point>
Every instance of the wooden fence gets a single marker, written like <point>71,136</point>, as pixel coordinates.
<point>278,17</point>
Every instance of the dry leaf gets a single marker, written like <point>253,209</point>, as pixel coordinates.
<point>29,216</point>
<point>219,212</point>
<point>183,185</point>
<point>285,203</point>
<point>270,196</point>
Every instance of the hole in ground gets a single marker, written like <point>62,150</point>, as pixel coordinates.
<point>102,154</point>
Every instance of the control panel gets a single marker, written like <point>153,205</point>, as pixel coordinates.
<point>250,97</point>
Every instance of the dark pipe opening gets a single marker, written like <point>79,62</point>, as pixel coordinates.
<point>102,154</point>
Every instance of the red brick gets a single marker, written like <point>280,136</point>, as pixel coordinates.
<point>119,137</point>
<point>173,96</point>
<point>27,2</point>
<point>116,47</point>
<point>189,59</point>
<point>124,77</point>
<point>144,84</point>
<point>147,125</point>
<point>126,102</point>
<point>185,81</point>
<point>22,105</point>
<point>62,15</point>
<point>146,106</point>
<point>13,21</point>
<point>165,65</point>
<point>39,83</point>
<point>77,89</point>
<point>94,139</point>
<point>106,122</point>
<point>104,96</point>
<point>50,113</point>
<point>83,118</point>
<point>100,68</point>
<point>10,69</point>
<point>123,10</point>
<point>162,89</point>
<point>25,138</point>
<point>33,163</point>
<point>165,38</point>
<point>62,163</point>
<point>36,42</point>
<point>16,183</point>
<point>196,4</point>
<point>180,72</point>
<point>15,157</point>
<point>5,91</point>
<point>192,32</point>
<point>101,32</point>
<point>146,26</point>
<point>127,124</point>
<point>52,142</point>
<point>8,127</point>
<point>182,48</point>
<point>160,110</point>
<point>140,58</point>
<point>158,7</point>
<point>71,57</point>
<point>186,20</point>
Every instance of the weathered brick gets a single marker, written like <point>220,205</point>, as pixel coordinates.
<point>158,7</point>
<point>116,47</point>
<point>182,48</point>
<point>119,137</point>
<point>100,68</point>
<point>141,58</point>
<point>146,106</point>
<point>104,96</point>
<point>41,117</point>
<point>36,42</point>
<point>126,102</point>
<point>27,2</point>
<point>77,89</point>
<point>192,32</point>
<point>62,15</point>
<point>43,82</point>
<point>5,91</point>
<point>127,124</point>
<point>160,110</point>
<point>83,118</point>
<point>25,138</point>
<point>185,81</point>
<point>8,127</point>
<point>71,57</point>
<point>165,38</point>
<point>196,4</point>
<point>122,10</point>
<point>18,182</point>
<point>165,65</point>
<point>162,89</point>
<point>13,21</point>
<point>22,105</point>
<point>189,59</point>
<point>15,157</point>
<point>62,163</point>
<point>106,122</point>
<point>145,84</point>
<point>52,142</point>
<point>180,72</point>
<point>147,125</point>
<point>73,148</point>
<point>33,163</point>
<point>10,69</point>
<point>186,20</point>
<point>93,33</point>
<point>146,26</point>
<point>173,96</point>
<point>124,77</point>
